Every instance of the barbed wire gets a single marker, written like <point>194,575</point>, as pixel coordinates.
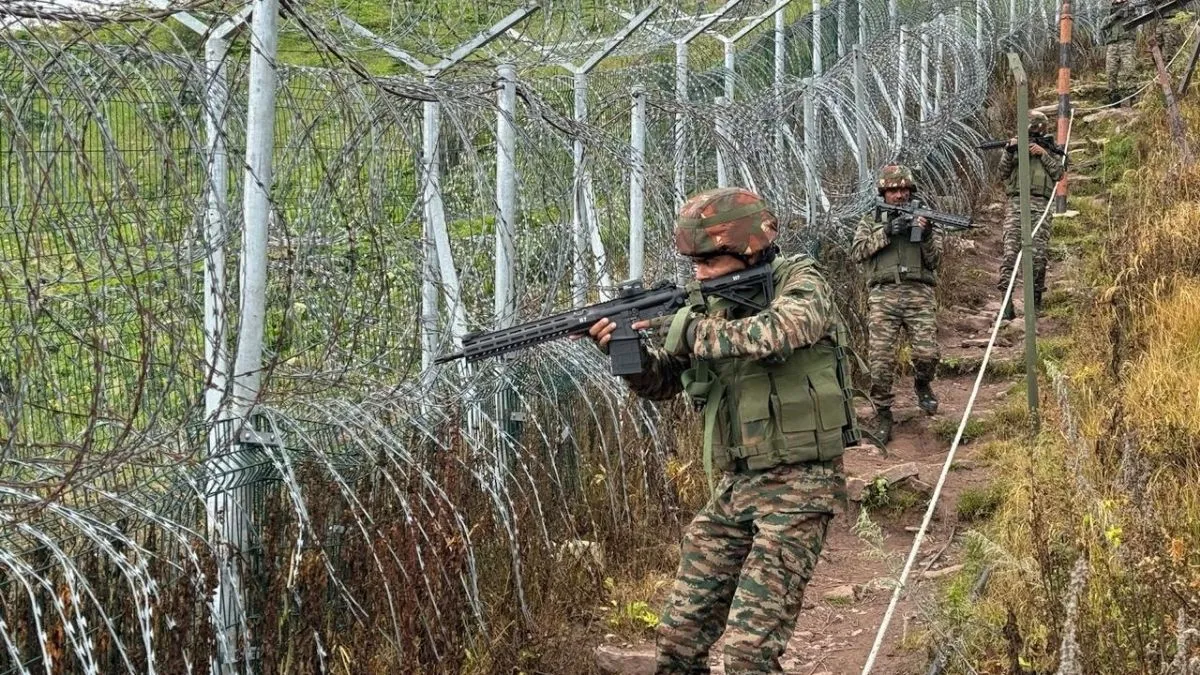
<point>368,491</point>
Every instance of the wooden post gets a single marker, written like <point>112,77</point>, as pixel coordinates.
<point>1191,68</point>
<point>1065,23</point>
<point>1178,130</point>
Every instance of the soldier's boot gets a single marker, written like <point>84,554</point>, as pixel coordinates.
<point>881,426</point>
<point>924,375</point>
<point>1010,313</point>
<point>1037,301</point>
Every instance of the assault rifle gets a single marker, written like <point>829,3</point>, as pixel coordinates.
<point>1148,11</point>
<point>1046,141</point>
<point>634,303</point>
<point>904,216</point>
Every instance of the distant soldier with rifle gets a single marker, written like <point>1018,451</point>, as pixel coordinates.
<point>901,246</point>
<point>769,376</point>
<point>1119,62</point>
<point>1045,170</point>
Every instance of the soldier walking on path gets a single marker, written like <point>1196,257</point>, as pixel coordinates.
<point>776,413</point>
<point>1119,63</point>
<point>1045,170</point>
<point>901,276</point>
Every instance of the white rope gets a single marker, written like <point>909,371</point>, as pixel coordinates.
<point>962,425</point>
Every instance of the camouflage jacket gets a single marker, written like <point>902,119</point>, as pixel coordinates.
<point>871,237</point>
<point>1112,30</point>
<point>801,314</point>
<point>1044,172</point>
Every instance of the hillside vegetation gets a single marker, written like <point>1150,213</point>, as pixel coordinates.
<point>1095,548</point>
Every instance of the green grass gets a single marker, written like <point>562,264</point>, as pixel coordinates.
<point>1117,157</point>
<point>978,503</point>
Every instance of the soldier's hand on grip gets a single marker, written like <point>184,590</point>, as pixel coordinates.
<point>601,333</point>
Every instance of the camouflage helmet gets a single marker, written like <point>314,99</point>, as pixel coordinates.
<point>895,176</point>
<point>1038,122</point>
<point>732,221</point>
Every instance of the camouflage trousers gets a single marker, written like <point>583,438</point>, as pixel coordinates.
<point>911,306</point>
<point>1119,65</point>
<point>1012,242</point>
<point>747,557</point>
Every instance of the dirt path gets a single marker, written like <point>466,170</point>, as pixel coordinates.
<point>834,634</point>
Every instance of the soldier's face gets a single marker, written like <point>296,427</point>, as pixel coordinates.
<point>897,195</point>
<point>716,266</point>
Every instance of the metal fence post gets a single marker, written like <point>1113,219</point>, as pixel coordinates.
<point>818,67</point>
<point>924,76</point>
<point>841,28</point>
<point>637,184</point>
<point>230,595</point>
<point>1022,86</point>
<point>860,113</point>
<point>979,5</point>
<point>681,94</point>
<point>579,228</point>
<point>901,93</point>
<point>722,169</point>
<point>216,349</point>
<point>811,152</point>
<point>939,54</point>
<point>505,304</point>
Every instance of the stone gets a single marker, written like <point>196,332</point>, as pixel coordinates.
<point>944,572</point>
<point>625,661</point>
<point>841,595</point>
<point>1118,114</point>
<point>982,343</point>
<point>975,324</point>
<point>898,473</point>
<point>918,485</point>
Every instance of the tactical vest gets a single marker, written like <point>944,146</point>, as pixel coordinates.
<point>1040,182</point>
<point>759,414</point>
<point>899,261</point>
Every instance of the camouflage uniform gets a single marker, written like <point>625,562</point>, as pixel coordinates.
<point>1119,64</point>
<point>1044,172</point>
<point>1169,32</point>
<point>749,553</point>
<point>901,295</point>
